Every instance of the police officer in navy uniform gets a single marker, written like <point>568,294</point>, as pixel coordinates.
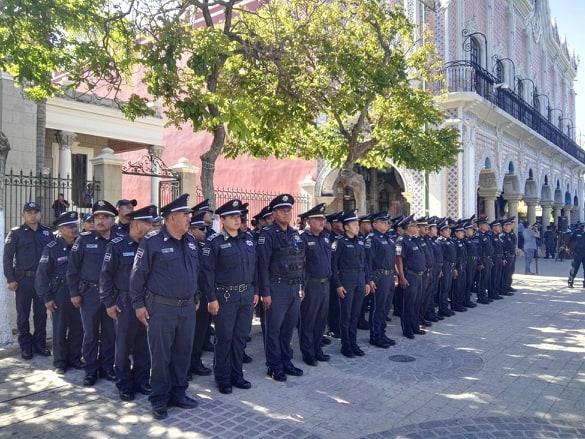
<point>449,260</point>
<point>436,270</point>
<point>124,208</point>
<point>22,252</point>
<point>460,280</point>
<point>199,230</point>
<point>205,209</point>
<point>425,245</point>
<point>396,232</point>
<point>281,265</point>
<point>486,260</point>
<point>509,240</point>
<point>411,265</point>
<point>87,223</point>
<point>351,278</point>
<point>336,232</point>
<point>498,260</point>
<point>229,280</point>
<point>472,249</point>
<point>367,304</point>
<point>315,305</point>
<point>163,286</point>
<point>262,219</point>
<point>50,284</point>
<point>381,257</point>
<point>83,272</point>
<point>578,239</point>
<point>114,294</point>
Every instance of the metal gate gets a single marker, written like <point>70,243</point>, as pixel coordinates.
<point>150,165</point>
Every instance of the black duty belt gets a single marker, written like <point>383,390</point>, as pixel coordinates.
<point>474,258</point>
<point>418,273</point>
<point>26,273</point>
<point>124,295</point>
<point>382,272</point>
<point>488,257</point>
<point>89,284</point>
<point>285,280</point>
<point>241,288</point>
<point>163,300</point>
<point>450,264</point>
<point>319,280</point>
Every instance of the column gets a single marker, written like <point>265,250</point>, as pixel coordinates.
<point>557,212</point>
<point>156,152</point>
<point>513,200</point>
<point>107,170</point>
<point>189,176</point>
<point>574,215</point>
<point>546,207</point>
<point>307,186</point>
<point>66,139</point>
<point>489,195</point>
<point>531,204</point>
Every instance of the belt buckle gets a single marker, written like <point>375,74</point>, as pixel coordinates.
<point>241,288</point>
<point>226,295</point>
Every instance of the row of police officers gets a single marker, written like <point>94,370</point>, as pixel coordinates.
<point>132,301</point>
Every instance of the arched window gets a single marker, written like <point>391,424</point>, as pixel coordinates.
<point>475,51</point>
<point>510,168</point>
<point>546,179</point>
<point>530,174</point>
<point>488,163</point>
<point>500,73</point>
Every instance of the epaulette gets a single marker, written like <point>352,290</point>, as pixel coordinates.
<point>212,237</point>
<point>52,244</point>
<point>151,234</point>
<point>85,233</point>
<point>15,228</point>
<point>266,228</point>
<point>117,239</point>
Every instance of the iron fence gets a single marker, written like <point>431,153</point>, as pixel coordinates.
<point>44,189</point>
<point>256,200</point>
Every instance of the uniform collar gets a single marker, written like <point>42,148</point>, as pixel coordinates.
<point>227,236</point>
<point>167,236</point>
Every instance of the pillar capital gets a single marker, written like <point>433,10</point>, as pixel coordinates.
<point>531,201</point>
<point>513,198</point>
<point>490,193</point>
<point>546,204</point>
<point>66,139</point>
<point>557,205</point>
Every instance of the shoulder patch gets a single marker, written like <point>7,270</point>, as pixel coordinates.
<point>151,234</point>
<point>212,236</point>
<point>117,239</point>
<point>52,244</point>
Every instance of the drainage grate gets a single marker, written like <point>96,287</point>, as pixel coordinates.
<point>401,358</point>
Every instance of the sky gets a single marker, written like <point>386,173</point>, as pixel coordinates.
<point>570,15</point>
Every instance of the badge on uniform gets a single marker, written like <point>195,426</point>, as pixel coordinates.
<point>192,246</point>
<point>297,238</point>
<point>128,254</point>
<point>91,246</point>
<point>167,250</point>
<point>249,243</point>
<point>44,259</point>
<point>46,232</point>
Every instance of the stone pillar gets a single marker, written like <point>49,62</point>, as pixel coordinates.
<point>489,196</point>
<point>107,169</point>
<point>568,208</point>
<point>66,140</point>
<point>557,212</point>
<point>189,176</point>
<point>307,186</point>
<point>574,215</point>
<point>513,200</point>
<point>546,207</point>
<point>155,151</point>
<point>531,204</point>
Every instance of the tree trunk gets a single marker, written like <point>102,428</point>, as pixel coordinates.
<point>208,160</point>
<point>347,177</point>
<point>6,296</point>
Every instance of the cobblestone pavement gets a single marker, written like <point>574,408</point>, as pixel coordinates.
<point>514,368</point>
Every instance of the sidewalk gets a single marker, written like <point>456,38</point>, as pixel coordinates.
<point>514,368</point>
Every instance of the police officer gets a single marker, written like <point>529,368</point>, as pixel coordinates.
<point>51,286</point>
<point>449,260</point>
<point>114,286</point>
<point>486,260</point>
<point>381,257</point>
<point>509,239</point>
<point>424,244</point>
<point>83,272</point>
<point>436,270</point>
<point>87,223</point>
<point>396,232</point>
<point>411,265</point>
<point>205,208</point>
<point>22,251</point>
<point>498,260</point>
<point>336,232</point>
<point>315,304</point>
<point>350,277</point>
<point>263,219</point>
<point>459,279</point>
<point>578,240</point>
<point>163,286</point>
<point>199,230</point>
<point>125,208</point>
<point>229,267</point>
<point>281,265</point>
<point>367,304</point>
<point>472,248</point>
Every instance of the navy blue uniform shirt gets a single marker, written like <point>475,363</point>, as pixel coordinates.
<point>380,252</point>
<point>349,255</point>
<point>412,256</point>
<point>120,229</point>
<point>425,246</point>
<point>449,250</point>
<point>22,250</point>
<point>461,254</point>
<point>165,266</point>
<point>85,260</point>
<point>485,244</point>
<point>227,261</point>
<point>318,255</point>
<point>437,250</point>
<point>116,268</point>
<point>281,253</point>
<point>52,268</point>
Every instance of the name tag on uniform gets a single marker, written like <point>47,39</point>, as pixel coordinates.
<point>349,245</point>
<point>226,245</point>
<point>167,250</point>
<point>91,246</point>
<point>128,254</point>
<point>250,243</point>
<point>311,243</point>
<point>384,242</point>
<point>61,259</point>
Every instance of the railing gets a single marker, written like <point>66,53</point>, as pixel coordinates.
<point>44,189</point>
<point>463,76</point>
<point>257,200</point>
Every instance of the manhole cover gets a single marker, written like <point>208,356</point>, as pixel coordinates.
<point>401,358</point>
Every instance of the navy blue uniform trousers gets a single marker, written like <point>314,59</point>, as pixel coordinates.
<point>350,307</point>
<point>410,296</point>
<point>314,309</point>
<point>67,330</point>
<point>384,294</point>
<point>25,297</point>
<point>98,332</point>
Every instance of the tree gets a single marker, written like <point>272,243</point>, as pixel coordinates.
<point>338,80</point>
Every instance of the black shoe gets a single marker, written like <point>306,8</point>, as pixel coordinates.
<point>460,309</point>
<point>445,313</point>
<point>347,353</point>
<point>26,354</point>
<point>498,297</point>
<point>410,336</point>
<point>90,379</point>
<point>388,340</point>
<point>512,290</point>
<point>363,324</point>
<point>483,301</point>
<point>160,413</point>
<point>45,352</point>
<point>126,395</point>
<point>310,361</point>
<point>379,344</point>
<point>77,364</point>
<point>248,339</point>
<point>143,389</point>
<point>419,331</point>
<point>226,389</point>
<point>507,293</point>
<point>426,323</point>
<point>208,347</point>
<point>357,351</point>
<point>108,374</point>
<point>293,371</point>
<point>333,334</point>
<point>325,341</point>
<point>185,403</point>
<point>241,383</point>
<point>440,317</point>
<point>201,370</point>
<point>471,305</point>
<point>60,370</point>
<point>276,375</point>
<point>246,359</point>
<point>432,319</point>
<point>322,357</point>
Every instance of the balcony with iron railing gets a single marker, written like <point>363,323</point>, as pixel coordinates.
<point>464,76</point>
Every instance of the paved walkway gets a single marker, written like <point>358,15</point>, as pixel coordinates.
<point>514,368</point>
